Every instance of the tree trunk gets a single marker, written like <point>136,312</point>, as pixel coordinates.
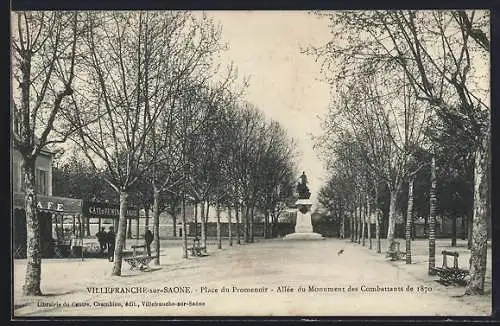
<point>432,219</point>
<point>252,229</point>
<point>203,226</point>
<point>266,224</point>
<point>362,216</point>
<point>246,225</point>
<point>174,221</point>
<point>229,226</point>
<point>99,225</point>
<point>454,230</point>
<point>184,227</point>
<point>156,225</point>
<point>120,236</point>
<point>219,238</point>
<point>409,217</point>
<point>480,220</point>
<point>146,218</point>
<point>355,217</point>
<point>426,225</point>
<point>32,279</point>
<point>360,224</point>
<point>356,225</point>
<point>87,226</point>
<point>377,222</point>
<point>369,221</point>
<point>238,233</point>
<point>342,226</point>
<point>413,231</point>
<point>195,231</point>
<point>392,220</point>
<point>137,228</point>
<point>80,226</point>
<point>351,231</point>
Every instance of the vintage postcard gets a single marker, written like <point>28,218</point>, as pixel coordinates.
<point>250,163</point>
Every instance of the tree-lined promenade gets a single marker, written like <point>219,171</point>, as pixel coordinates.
<point>151,118</point>
<point>408,131</point>
<point>149,110</point>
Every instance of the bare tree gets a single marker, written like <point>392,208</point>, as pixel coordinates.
<point>127,77</point>
<point>444,55</point>
<point>194,43</point>
<point>386,124</point>
<point>45,51</point>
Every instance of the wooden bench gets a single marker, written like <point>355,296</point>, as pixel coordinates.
<point>137,261</point>
<point>197,249</point>
<point>93,249</point>
<point>451,275</point>
<point>396,253</point>
<point>135,247</point>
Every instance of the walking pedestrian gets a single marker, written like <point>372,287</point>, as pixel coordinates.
<point>148,238</point>
<point>110,239</point>
<point>101,238</point>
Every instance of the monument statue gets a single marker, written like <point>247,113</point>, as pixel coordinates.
<point>303,223</point>
<point>302,188</point>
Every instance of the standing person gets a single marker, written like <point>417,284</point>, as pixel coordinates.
<point>148,238</point>
<point>101,237</point>
<point>110,239</point>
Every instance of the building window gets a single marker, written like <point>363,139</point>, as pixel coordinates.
<point>41,182</point>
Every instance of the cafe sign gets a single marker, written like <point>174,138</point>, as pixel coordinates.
<point>51,203</point>
<point>106,210</point>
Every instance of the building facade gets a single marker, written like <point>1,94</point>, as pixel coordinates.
<point>53,211</point>
<point>43,172</point>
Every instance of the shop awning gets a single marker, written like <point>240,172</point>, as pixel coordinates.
<point>52,204</point>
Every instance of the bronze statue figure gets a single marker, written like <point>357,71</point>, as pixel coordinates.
<point>302,188</point>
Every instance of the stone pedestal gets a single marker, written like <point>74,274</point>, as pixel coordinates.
<point>303,224</point>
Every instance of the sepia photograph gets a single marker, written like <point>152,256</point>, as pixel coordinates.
<point>250,163</point>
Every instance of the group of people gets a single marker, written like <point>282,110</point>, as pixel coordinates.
<point>107,241</point>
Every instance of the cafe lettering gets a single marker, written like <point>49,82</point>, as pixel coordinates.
<point>51,204</point>
<point>59,207</point>
<point>55,214</point>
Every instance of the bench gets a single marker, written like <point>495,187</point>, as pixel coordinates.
<point>135,247</point>
<point>451,275</point>
<point>396,253</point>
<point>197,249</point>
<point>139,262</point>
<point>92,249</point>
<point>135,260</point>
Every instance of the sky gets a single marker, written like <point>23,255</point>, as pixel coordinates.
<point>284,83</point>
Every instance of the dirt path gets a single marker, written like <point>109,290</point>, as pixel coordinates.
<point>270,278</point>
